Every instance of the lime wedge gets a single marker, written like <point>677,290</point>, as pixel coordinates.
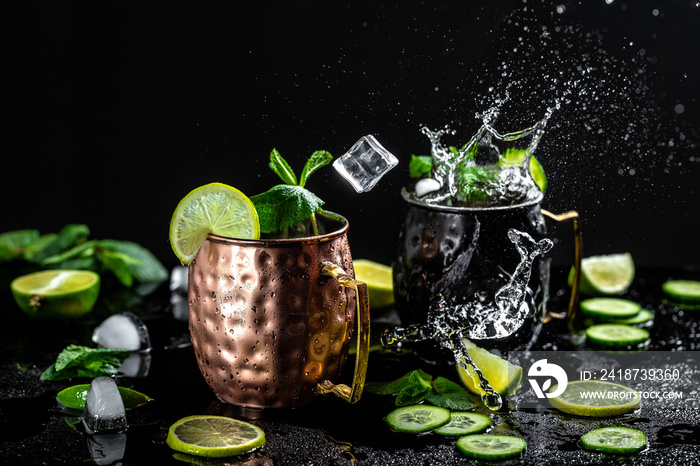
<point>56,294</point>
<point>214,208</point>
<point>214,436</point>
<point>503,376</point>
<point>515,157</point>
<point>75,396</point>
<point>596,398</point>
<point>379,281</point>
<point>605,275</point>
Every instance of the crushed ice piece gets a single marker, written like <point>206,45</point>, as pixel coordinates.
<point>180,306</point>
<point>107,448</point>
<point>123,331</point>
<point>136,365</point>
<point>104,407</point>
<point>426,186</point>
<point>178,279</point>
<point>365,163</point>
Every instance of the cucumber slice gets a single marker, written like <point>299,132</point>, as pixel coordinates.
<point>683,290</point>
<point>618,440</point>
<point>616,335</point>
<point>417,418</point>
<point>464,423</point>
<point>491,447</point>
<point>642,317</point>
<point>610,308</point>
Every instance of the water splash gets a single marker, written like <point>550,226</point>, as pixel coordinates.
<point>491,169</point>
<point>450,318</point>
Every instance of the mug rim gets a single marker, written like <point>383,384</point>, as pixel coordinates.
<point>267,242</point>
<point>461,209</point>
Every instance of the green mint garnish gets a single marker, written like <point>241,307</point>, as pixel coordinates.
<point>70,249</point>
<point>81,361</point>
<point>286,205</point>
<point>417,386</point>
<point>420,165</point>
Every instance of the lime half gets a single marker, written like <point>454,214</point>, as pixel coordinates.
<point>56,294</point>
<point>503,376</point>
<point>214,208</point>
<point>605,275</point>
<point>379,281</point>
<point>75,397</point>
<point>214,436</point>
<point>596,398</point>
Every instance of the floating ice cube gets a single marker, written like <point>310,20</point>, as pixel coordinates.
<point>178,279</point>
<point>107,448</point>
<point>104,408</point>
<point>124,331</point>
<point>365,163</point>
<point>180,307</point>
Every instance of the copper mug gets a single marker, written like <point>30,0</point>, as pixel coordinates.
<point>271,320</point>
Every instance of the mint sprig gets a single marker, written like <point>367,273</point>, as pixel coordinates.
<point>286,205</point>
<point>417,386</point>
<point>82,361</point>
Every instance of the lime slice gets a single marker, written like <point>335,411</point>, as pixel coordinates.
<point>379,281</point>
<point>616,335</point>
<point>610,308</point>
<point>417,418</point>
<point>683,291</point>
<point>605,275</point>
<point>56,294</point>
<point>74,397</point>
<point>214,436</point>
<point>491,447</point>
<point>464,423</point>
<point>514,157</point>
<point>503,376</point>
<point>618,440</point>
<point>596,398</point>
<point>214,208</point>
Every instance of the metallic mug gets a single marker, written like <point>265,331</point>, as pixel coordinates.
<point>432,238</point>
<point>271,320</point>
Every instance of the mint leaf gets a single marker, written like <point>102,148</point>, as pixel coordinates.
<point>13,243</point>
<point>395,386</point>
<point>122,256</point>
<point>282,168</point>
<point>420,165</point>
<point>450,395</point>
<point>318,159</point>
<point>415,390</point>
<point>55,243</point>
<point>81,361</point>
<point>283,206</point>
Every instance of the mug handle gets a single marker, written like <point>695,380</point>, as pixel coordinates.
<point>570,313</point>
<point>351,394</point>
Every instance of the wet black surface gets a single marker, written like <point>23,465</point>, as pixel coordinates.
<point>34,430</point>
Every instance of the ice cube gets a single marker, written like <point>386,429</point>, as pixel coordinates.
<point>104,408</point>
<point>426,185</point>
<point>365,163</point>
<point>181,311</point>
<point>136,365</point>
<point>178,279</point>
<point>107,448</point>
<point>125,331</point>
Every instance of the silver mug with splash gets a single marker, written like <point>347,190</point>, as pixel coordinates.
<point>271,320</point>
<point>450,262</point>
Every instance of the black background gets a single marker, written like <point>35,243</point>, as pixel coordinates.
<point>114,111</point>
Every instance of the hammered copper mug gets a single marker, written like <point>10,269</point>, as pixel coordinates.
<point>271,320</point>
